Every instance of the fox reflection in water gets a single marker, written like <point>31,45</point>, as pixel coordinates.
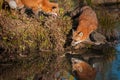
<point>83,70</point>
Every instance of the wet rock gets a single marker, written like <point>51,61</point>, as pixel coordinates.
<point>98,38</point>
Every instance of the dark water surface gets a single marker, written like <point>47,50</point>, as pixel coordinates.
<point>110,70</point>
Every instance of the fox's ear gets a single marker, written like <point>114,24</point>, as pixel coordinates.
<point>80,33</point>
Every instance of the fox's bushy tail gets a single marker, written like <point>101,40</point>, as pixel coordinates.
<point>12,4</point>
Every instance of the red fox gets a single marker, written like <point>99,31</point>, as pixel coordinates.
<point>83,70</point>
<point>35,5</point>
<point>87,24</point>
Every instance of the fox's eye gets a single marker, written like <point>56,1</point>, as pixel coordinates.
<point>75,62</point>
<point>53,7</point>
<point>80,34</point>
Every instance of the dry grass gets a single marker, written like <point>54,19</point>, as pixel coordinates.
<point>1,2</point>
<point>107,23</point>
<point>23,34</point>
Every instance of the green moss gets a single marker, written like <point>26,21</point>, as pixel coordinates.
<point>67,5</point>
<point>30,77</point>
<point>61,11</point>
<point>1,2</point>
<point>106,23</point>
<point>89,2</point>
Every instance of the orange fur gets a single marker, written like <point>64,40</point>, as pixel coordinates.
<point>84,70</point>
<point>38,5</point>
<point>87,23</point>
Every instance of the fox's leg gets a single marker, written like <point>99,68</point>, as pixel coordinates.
<point>36,12</point>
<point>22,11</point>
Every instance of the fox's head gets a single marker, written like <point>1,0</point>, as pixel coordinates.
<point>78,37</point>
<point>55,9</point>
<point>80,65</point>
<point>52,9</point>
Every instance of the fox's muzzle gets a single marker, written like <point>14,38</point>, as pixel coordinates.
<point>74,43</point>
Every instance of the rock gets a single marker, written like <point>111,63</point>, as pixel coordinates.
<point>98,38</point>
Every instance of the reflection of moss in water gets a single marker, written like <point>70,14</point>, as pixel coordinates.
<point>109,53</point>
<point>43,63</point>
